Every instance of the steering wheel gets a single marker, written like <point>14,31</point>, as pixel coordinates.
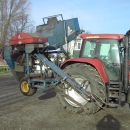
<point>107,63</point>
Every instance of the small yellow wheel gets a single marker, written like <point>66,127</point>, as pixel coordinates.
<point>26,89</point>
<point>24,86</point>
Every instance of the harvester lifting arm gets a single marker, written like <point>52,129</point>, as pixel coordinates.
<point>66,79</point>
<point>64,76</point>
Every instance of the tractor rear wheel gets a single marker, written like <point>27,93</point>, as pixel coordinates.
<point>26,89</point>
<point>87,76</point>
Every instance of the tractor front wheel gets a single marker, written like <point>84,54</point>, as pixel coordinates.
<point>88,77</point>
<point>26,89</point>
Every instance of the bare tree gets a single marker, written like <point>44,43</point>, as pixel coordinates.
<point>14,18</point>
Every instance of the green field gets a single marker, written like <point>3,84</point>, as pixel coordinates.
<point>4,70</point>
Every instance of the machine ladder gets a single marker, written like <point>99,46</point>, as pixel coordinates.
<point>113,92</point>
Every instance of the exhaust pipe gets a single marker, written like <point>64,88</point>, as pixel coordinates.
<point>126,41</point>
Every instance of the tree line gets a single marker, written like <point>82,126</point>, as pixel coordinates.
<point>14,18</point>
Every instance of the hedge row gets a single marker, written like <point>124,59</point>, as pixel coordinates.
<point>4,69</point>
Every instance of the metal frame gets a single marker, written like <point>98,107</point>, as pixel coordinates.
<point>53,17</point>
<point>64,78</point>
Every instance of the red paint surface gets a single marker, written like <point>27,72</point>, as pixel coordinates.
<point>94,62</point>
<point>101,36</point>
<point>25,38</point>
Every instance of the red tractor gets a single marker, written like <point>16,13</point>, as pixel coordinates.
<point>84,84</point>
<point>102,68</point>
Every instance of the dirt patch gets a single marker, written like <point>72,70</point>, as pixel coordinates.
<point>43,112</point>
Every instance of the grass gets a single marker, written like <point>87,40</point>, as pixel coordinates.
<point>4,70</point>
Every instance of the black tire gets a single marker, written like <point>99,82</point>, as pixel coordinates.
<point>94,81</point>
<point>26,89</point>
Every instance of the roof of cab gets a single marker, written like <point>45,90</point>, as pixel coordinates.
<point>102,36</point>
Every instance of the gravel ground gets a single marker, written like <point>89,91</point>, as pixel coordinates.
<point>42,111</point>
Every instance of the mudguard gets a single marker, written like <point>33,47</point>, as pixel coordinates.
<point>96,63</point>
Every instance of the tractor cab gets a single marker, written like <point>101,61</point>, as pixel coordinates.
<point>104,47</point>
<point>109,50</point>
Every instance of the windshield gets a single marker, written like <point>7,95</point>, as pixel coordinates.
<point>107,51</point>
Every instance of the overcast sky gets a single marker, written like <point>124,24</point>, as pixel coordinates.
<point>96,16</point>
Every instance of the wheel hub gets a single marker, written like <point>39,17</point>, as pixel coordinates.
<point>24,86</point>
<point>72,93</point>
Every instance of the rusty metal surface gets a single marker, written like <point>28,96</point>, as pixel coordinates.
<point>18,67</point>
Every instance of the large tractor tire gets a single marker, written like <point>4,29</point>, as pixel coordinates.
<point>87,75</point>
<point>26,89</point>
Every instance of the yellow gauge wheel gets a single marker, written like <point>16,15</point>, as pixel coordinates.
<point>24,86</point>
